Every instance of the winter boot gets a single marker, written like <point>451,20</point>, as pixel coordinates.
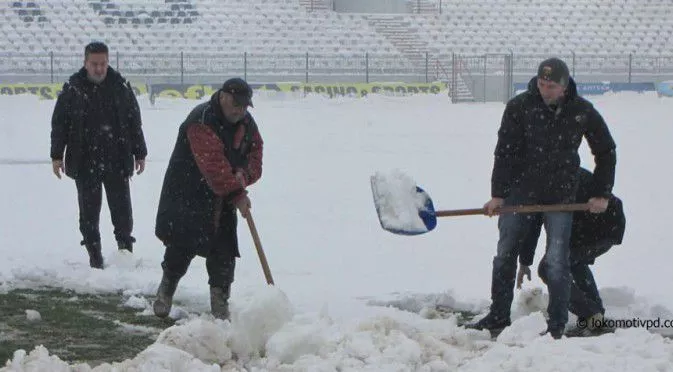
<point>128,246</point>
<point>555,332</point>
<point>95,255</point>
<point>164,301</point>
<point>491,322</point>
<point>594,325</point>
<point>219,301</point>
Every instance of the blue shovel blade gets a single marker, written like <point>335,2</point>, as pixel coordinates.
<point>427,213</point>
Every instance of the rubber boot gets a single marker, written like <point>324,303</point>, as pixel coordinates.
<point>219,302</point>
<point>95,255</point>
<point>164,302</point>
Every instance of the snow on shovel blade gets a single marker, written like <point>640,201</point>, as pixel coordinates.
<point>402,207</point>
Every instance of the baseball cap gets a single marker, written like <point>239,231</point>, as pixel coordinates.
<point>554,69</point>
<point>240,90</point>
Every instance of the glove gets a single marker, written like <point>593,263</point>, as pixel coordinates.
<point>523,271</point>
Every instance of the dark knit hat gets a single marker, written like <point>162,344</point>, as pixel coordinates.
<point>554,69</point>
<point>241,91</point>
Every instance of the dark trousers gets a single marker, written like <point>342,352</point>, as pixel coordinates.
<point>512,227</point>
<point>584,298</point>
<point>90,198</point>
<point>219,263</point>
<point>220,254</point>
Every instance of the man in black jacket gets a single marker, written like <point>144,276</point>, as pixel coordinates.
<point>536,162</point>
<point>592,235</point>
<point>218,154</point>
<point>96,123</point>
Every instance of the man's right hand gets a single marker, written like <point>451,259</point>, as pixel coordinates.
<point>240,177</point>
<point>523,271</point>
<point>492,205</point>
<point>57,167</point>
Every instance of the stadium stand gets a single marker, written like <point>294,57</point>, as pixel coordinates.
<point>287,26</point>
<point>287,36</point>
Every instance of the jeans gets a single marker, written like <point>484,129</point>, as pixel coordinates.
<point>512,227</point>
<point>585,300</point>
<point>558,226</point>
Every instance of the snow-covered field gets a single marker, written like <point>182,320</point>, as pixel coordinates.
<point>332,263</point>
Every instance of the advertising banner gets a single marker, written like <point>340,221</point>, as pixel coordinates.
<point>588,89</point>
<point>50,91</point>
<point>200,91</point>
<point>665,88</point>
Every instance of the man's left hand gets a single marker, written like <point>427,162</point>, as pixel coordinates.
<point>140,166</point>
<point>598,205</point>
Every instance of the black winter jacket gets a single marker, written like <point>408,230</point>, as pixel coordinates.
<point>589,230</point>
<point>74,130</point>
<point>191,214</point>
<point>537,151</point>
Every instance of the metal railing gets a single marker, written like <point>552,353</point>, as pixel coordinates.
<point>484,75</point>
<point>203,67</point>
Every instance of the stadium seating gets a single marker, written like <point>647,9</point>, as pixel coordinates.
<point>277,34</point>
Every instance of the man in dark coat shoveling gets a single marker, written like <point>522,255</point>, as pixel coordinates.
<point>536,162</point>
<point>218,154</point>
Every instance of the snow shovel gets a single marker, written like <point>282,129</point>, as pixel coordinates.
<point>260,250</point>
<point>404,208</point>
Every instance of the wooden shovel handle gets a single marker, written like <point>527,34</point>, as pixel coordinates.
<point>260,250</point>
<point>516,209</point>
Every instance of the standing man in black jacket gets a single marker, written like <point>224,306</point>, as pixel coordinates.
<point>536,162</point>
<point>96,123</point>
<point>592,235</point>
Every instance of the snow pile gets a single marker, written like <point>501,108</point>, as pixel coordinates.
<point>159,357</point>
<point>302,337</point>
<point>400,341</point>
<point>245,337</point>
<point>524,330</point>
<point>203,339</point>
<point>255,322</point>
<point>626,350</point>
<point>38,360</point>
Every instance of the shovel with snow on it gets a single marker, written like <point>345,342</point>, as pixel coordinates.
<point>404,208</point>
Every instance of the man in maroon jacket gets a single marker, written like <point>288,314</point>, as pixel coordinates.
<point>218,154</point>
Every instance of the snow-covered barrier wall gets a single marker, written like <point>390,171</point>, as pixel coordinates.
<point>199,91</point>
